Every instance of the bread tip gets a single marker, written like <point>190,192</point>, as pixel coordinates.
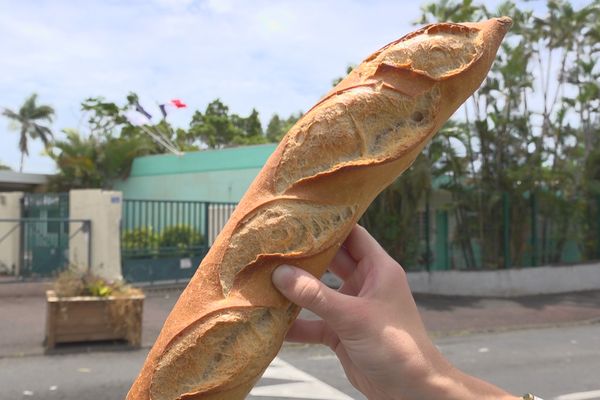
<point>504,21</point>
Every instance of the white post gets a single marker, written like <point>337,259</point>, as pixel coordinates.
<point>103,209</point>
<point>10,232</point>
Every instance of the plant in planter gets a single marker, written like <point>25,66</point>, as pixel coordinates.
<point>84,307</point>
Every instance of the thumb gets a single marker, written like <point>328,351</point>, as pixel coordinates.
<point>308,292</point>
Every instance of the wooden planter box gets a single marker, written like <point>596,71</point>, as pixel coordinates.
<point>88,318</point>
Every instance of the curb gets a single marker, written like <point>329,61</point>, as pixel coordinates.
<point>512,328</point>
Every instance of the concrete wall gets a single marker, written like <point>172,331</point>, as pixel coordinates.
<point>506,283</point>
<point>10,232</point>
<point>103,208</point>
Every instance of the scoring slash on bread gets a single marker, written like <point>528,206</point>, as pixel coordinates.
<point>230,321</point>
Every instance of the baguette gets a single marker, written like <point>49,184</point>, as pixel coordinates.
<point>229,322</point>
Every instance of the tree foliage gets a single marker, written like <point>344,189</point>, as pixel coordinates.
<point>92,162</point>
<point>31,119</point>
<point>529,134</point>
<point>105,154</point>
<point>216,127</point>
<point>525,144</point>
<point>278,127</point>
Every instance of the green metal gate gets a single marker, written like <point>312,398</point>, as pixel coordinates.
<point>45,233</point>
<point>165,240</point>
<point>42,253</point>
<point>37,244</point>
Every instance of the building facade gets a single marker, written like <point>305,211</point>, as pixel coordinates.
<point>221,175</point>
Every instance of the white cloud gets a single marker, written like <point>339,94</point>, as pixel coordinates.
<point>277,56</point>
<point>175,4</point>
<point>219,6</point>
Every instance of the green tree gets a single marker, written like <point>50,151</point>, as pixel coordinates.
<point>278,127</point>
<point>450,11</point>
<point>393,215</point>
<point>274,129</point>
<point>252,125</point>
<point>92,162</point>
<point>214,128</point>
<point>217,128</point>
<point>250,129</point>
<point>104,117</point>
<point>525,148</point>
<point>31,119</point>
<point>98,159</point>
<point>76,159</point>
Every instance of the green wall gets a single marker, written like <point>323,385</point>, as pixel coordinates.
<point>209,175</point>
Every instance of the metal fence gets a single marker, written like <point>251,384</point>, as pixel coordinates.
<point>166,239</point>
<point>511,232</point>
<point>36,247</point>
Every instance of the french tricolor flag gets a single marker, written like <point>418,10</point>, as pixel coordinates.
<point>175,103</point>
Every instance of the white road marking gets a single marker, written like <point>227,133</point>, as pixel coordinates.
<point>305,386</point>
<point>591,395</point>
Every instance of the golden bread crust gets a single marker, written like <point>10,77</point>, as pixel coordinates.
<point>230,321</point>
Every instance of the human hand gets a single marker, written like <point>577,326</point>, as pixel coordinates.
<point>373,325</point>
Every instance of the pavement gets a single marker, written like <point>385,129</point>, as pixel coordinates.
<point>559,363</point>
<point>23,315</point>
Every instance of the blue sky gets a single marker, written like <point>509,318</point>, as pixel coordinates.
<point>277,56</point>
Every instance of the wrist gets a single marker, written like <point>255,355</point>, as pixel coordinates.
<point>456,385</point>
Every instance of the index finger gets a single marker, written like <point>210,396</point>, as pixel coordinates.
<point>361,244</point>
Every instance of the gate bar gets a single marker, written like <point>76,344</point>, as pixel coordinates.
<point>84,222</point>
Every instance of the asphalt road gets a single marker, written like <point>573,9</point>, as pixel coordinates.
<point>549,362</point>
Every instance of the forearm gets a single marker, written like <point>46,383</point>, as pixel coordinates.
<point>434,377</point>
<point>456,385</point>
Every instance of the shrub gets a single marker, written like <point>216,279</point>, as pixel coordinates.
<point>140,239</point>
<point>181,238</point>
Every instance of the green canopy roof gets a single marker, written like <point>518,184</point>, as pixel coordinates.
<point>243,157</point>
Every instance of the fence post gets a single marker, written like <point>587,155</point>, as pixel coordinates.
<point>427,243</point>
<point>534,236</point>
<point>103,210</point>
<point>206,226</point>
<point>442,241</point>
<point>10,233</point>
<point>596,218</point>
<point>88,230</point>
<point>506,229</point>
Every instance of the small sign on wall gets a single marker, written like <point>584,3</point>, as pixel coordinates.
<point>115,199</point>
<point>185,263</point>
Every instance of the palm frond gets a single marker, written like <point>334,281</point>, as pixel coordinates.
<point>43,112</point>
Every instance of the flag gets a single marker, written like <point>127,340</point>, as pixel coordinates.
<point>141,110</point>
<point>163,110</point>
<point>177,103</point>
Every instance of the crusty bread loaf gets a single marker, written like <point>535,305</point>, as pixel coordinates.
<point>230,321</point>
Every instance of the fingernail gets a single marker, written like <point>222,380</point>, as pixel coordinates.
<point>282,275</point>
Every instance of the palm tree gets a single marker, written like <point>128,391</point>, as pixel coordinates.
<point>29,117</point>
<point>92,162</point>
